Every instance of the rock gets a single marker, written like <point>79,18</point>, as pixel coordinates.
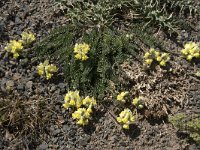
<point>17,20</point>
<point>56,132</point>
<point>16,76</point>
<point>54,140</point>
<point>20,87</point>
<point>2,73</point>
<point>83,142</point>
<point>24,62</point>
<point>29,85</point>
<point>62,87</point>
<point>53,88</point>
<point>43,146</point>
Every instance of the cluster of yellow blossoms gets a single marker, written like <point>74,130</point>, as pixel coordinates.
<point>82,115</point>
<point>46,69</point>
<point>154,55</point>
<point>28,38</point>
<point>16,47</point>
<point>191,50</point>
<point>126,118</point>
<point>121,96</point>
<point>81,51</point>
<point>138,102</point>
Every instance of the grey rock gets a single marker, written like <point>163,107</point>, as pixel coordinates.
<point>53,88</point>
<point>17,20</point>
<point>24,62</point>
<point>62,87</point>
<point>54,140</point>
<point>29,85</point>
<point>83,142</point>
<point>20,87</point>
<point>43,146</point>
<point>56,132</point>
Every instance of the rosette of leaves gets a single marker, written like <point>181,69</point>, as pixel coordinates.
<point>108,48</point>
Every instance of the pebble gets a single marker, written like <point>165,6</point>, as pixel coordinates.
<point>83,142</point>
<point>43,146</point>
<point>29,85</point>
<point>20,87</point>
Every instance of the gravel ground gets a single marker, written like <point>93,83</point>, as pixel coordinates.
<point>39,17</point>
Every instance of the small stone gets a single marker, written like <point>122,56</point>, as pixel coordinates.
<point>53,88</point>
<point>56,132</point>
<point>24,62</point>
<point>54,140</point>
<point>62,87</point>
<point>43,146</point>
<point>17,20</point>
<point>83,142</point>
<point>20,87</point>
<point>16,76</point>
<point>29,85</point>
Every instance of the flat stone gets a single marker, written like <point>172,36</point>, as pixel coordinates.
<point>29,85</point>
<point>20,87</point>
<point>83,142</point>
<point>16,76</point>
<point>43,146</point>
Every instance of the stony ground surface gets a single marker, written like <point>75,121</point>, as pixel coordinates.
<point>39,17</point>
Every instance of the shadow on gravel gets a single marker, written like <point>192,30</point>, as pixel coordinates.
<point>92,126</point>
<point>133,132</point>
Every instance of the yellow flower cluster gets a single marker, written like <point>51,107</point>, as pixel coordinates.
<point>81,51</point>
<point>82,115</point>
<point>46,69</point>
<point>138,102</point>
<point>154,55</point>
<point>191,50</point>
<point>89,103</point>
<point>28,37</point>
<point>126,118</point>
<point>121,96</point>
<point>72,99</point>
<point>15,47</point>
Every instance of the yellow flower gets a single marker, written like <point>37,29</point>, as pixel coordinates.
<point>72,99</point>
<point>82,116</point>
<point>81,51</point>
<point>126,118</point>
<point>197,55</point>
<point>162,63</point>
<point>148,61</point>
<point>146,55</point>
<point>138,102</point>
<point>184,51</point>
<point>15,47</point>
<point>157,54</point>
<point>89,101</point>
<point>46,69</point>
<point>28,38</point>
<point>158,58</point>
<point>120,97</point>
<point>189,57</point>
<point>191,50</point>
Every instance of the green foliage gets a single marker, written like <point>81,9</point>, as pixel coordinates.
<point>100,13</point>
<point>108,48</point>
<point>188,123</point>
